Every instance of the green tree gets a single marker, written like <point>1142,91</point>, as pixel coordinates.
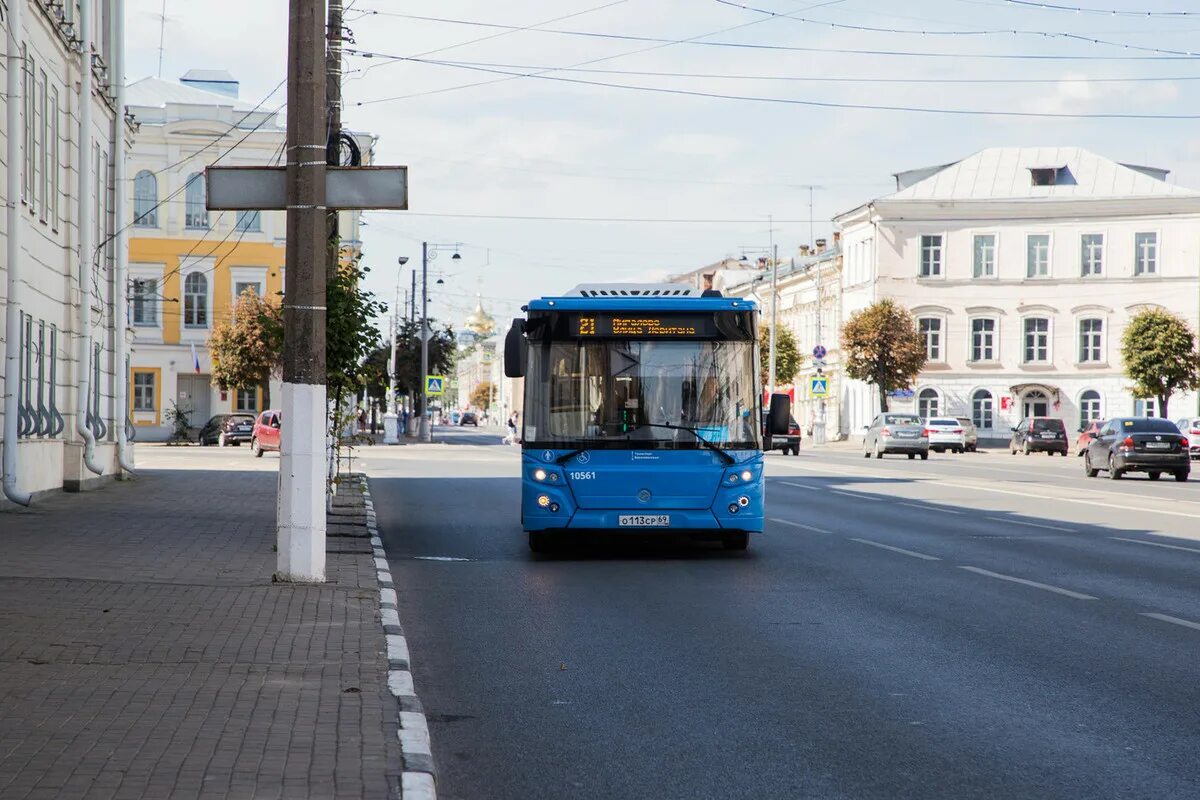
<point>350,335</point>
<point>408,358</point>
<point>481,395</point>
<point>787,355</point>
<point>1159,351</point>
<point>247,348</point>
<point>881,346</point>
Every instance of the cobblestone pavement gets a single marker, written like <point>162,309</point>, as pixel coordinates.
<point>145,652</point>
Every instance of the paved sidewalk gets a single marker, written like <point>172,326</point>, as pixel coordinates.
<point>145,652</point>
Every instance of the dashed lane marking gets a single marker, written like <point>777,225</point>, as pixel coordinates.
<point>900,550</point>
<point>930,508</point>
<point>799,525</point>
<point>1155,544</point>
<point>1024,582</point>
<point>801,486</point>
<point>1173,620</point>
<point>1007,520</point>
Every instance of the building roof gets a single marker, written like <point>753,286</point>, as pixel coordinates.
<point>158,93</point>
<point>1005,173</point>
<point>211,75</point>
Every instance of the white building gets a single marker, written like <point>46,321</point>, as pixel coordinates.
<point>59,277</point>
<point>1023,267</point>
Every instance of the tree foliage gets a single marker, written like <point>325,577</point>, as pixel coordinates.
<point>247,348</point>
<point>881,346</point>
<point>787,354</point>
<point>408,357</point>
<point>1159,351</point>
<point>350,334</point>
<point>481,395</point>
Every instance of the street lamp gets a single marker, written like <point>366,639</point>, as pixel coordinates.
<point>772,250</point>
<point>390,417</point>
<point>429,252</point>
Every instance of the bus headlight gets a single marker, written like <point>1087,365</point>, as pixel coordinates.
<point>539,474</point>
<point>747,475</point>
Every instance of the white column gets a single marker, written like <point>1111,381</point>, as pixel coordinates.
<point>301,523</point>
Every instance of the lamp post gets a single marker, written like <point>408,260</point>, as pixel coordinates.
<point>428,253</point>
<point>390,417</point>
<point>772,251</point>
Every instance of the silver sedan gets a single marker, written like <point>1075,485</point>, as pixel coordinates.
<point>896,433</point>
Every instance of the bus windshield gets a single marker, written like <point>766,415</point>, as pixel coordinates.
<point>630,393</point>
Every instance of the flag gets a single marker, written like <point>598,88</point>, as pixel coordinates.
<point>195,359</point>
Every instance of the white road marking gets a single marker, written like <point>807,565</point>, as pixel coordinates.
<point>387,597</point>
<point>414,733</point>
<point>1024,582</point>
<point>1173,620</point>
<point>381,563</point>
<point>856,496</point>
<point>439,558</point>
<point>400,683</point>
<point>900,550</point>
<point>1156,544</point>
<point>388,616</point>
<point>1031,524</point>
<point>397,648</point>
<point>799,525</point>
<point>802,486</point>
<point>930,508</point>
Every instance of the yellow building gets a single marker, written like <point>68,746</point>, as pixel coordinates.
<point>187,265</point>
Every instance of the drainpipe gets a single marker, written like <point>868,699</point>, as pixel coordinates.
<point>12,316</point>
<point>84,371</point>
<point>121,267</point>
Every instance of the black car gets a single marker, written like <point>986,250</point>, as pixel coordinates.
<point>1045,434</point>
<point>1138,444</point>
<point>225,429</point>
<point>789,443</point>
<point>469,418</point>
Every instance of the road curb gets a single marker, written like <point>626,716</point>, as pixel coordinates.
<point>419,779</point>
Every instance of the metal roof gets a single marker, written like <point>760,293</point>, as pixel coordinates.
<point>158,93</point>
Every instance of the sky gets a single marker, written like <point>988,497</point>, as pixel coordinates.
<point>624,168</point>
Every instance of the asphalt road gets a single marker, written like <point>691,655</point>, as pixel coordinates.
<point>982,625</point>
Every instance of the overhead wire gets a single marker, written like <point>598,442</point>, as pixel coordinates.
<point>1108,12</point>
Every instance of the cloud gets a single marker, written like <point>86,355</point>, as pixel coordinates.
<point>704,145</point>
<point>1075,94</point>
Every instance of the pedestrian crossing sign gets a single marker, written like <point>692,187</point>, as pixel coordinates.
<point>435,384</point>
<point>818,387</point>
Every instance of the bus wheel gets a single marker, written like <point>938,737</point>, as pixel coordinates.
<point>540,541</point>
<point>736,541</point>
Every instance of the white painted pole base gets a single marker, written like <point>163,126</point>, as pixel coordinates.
<point>300,522</point>
<point>426,429</point>
<point>391,428</point>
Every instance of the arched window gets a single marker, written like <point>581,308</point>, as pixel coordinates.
<point>195,214</point>
<point>928,403</point>
<point>1089,408</point>
<point>195,301</point>
<point>982,409</point>
<point>145,199</point>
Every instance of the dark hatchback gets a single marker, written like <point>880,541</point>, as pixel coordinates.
<point>788,443</point>
<point>469,418</point>
<point>226,429</point>
<point>1138,444</point>
<point>1040,434</point>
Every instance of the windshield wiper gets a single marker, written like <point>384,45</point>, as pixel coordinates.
<point>565,457</point>
<point>725,457</point>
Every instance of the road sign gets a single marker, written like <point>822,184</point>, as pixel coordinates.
<point>818,387</point>
<point>819,362</point>
<point>819,352</point>
<point>262,188</point>
<point>435,384</point>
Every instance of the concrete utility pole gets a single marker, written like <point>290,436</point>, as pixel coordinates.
<point>425,430</point>
<point>333,99</point>
<point>774,305</point>
<point>301,519</point>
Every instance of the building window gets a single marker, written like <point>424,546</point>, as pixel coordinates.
<point>54,166</point>
<point>1037,259</point>
<point>1145,249</point>
<point>195,301</point>
<point>985,256</point>
<point>39,145</point>
<point>982,409</point>
<point>1037,340</point>
<point>1089,408</point>
<point>145,302</point>
<point>195,214</point>
<point>249,222</point>
<point>27,177</point>
<point>931,332</point>
<point>246,400</point>
<point>1091,254</point>
<point>983,339</point>
<point>928,403</point>
<point>143,391</point>
<point>145,200</point>
<point>931,256</point>
<point>1145,407</point>
<point>1091,341</point>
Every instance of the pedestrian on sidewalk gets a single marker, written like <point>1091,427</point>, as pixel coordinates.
<point>511,424</point>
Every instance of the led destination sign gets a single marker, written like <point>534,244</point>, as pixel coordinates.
<point>644,326</point>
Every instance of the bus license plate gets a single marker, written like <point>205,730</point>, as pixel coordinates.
<point>644,520</point>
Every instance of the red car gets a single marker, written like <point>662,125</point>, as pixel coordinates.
<point>1085,436</point>
<point>266,433</point>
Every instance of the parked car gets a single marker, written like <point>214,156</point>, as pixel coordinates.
<point>896,433</point>
<point>1085,436</point>
<point>1190,427</point>
<point>945,433</point>
<point>789,443</point>
<point>970,433</point>
<point>224,429</point>
<point>1044,434</point>
<point>265,436</point>
<point>1138,444</point>
<point>468,418</point>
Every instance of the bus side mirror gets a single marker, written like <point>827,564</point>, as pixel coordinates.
<point>779,414</point>
<point>516,349</point>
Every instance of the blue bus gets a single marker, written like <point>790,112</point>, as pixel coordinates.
<point>642,412</point>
